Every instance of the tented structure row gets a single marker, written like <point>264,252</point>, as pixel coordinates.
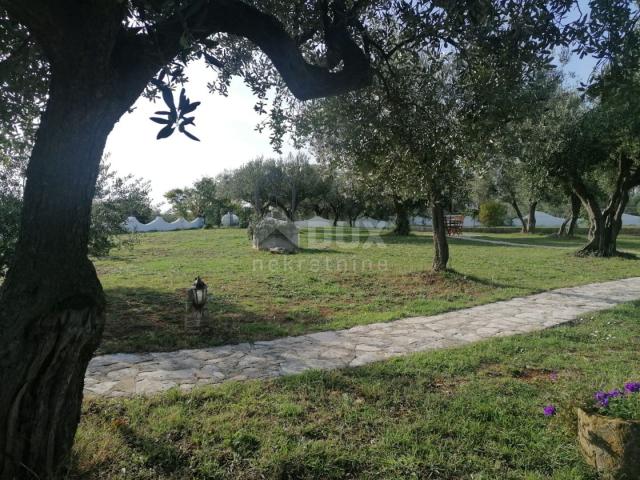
<point>159,224</point>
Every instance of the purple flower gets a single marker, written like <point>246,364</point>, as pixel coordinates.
<point>602,398</point>
<point>616,392</point>
<point>549,410</point>
<point>632,387</point>
<point>553,376</point>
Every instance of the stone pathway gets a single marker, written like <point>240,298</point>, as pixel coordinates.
<point>147,373</point>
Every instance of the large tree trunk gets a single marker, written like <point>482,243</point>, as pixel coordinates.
<point>440,244</point>
<point>52,304</point>
<point>403,226</point>
<point>531,220</point>
<point>605,225</point>
<point>568,227</point>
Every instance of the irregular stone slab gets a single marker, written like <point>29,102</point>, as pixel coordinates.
<point>149,373</point>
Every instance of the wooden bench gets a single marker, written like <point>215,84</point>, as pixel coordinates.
<point>454,224</point>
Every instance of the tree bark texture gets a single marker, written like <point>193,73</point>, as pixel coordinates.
<point>51,303</point>
<point>440,244</point>
<point>605,224</point>
<point>568,227</point>
<point>403,226</point>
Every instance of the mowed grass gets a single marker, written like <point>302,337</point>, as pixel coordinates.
<point>340,279</point>
<point>626,243</point>
<point>467,413</point>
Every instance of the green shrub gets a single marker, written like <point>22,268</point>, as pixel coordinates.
<point>492,214</point>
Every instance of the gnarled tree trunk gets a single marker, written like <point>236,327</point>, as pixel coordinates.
<point>403,226</point>
<point>440,244</point>
<point>568,227</point>
<point>52,304</point>
<point>605,225</point>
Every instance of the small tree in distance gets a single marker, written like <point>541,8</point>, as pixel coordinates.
<point>492,214</point>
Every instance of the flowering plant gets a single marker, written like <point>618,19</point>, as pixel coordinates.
<point>623,403</point>
<point>619,403</point>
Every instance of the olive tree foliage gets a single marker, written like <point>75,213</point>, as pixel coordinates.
<point>116,198</point>
<point>289,184</point>
<point>407,133</point>
<point>10,206</point>
<point>599,161</point>
<point>521,144</point>
<point>251,183</point>
<point>346,195</point>
<point>294,182</point>
<point>418,123</point>
<point>204,199</point>
<point>95,59</point>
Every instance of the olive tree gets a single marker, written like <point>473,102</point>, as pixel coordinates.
<point>96,58</point>
<point>100,56</point>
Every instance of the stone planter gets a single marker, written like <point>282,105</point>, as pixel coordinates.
<point>610,445</point>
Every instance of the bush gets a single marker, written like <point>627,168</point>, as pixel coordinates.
<point>492,214</point>
<point>10,208</point>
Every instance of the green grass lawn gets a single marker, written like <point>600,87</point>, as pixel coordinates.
<point>467,413</point>
<point>337,281</point>
<point>626,243</point>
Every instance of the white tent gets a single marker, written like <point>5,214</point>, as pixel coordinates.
<point>230,220</point>
<point>131,224</point>
<point>542,220</point>
<point>470,222</point>
<point>630,219</point>
<point>366,222</point>
<point>314,222</point>
<point>159,224</point>
<point>420,221</point>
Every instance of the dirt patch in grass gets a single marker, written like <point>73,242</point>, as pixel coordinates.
<point>412,285</point>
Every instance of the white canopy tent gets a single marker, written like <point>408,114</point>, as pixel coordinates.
<point>543,219</point>
<point>314,222</point>
<point>229,219</point>
<point>159,224</point>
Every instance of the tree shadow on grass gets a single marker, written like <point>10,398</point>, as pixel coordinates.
<point>482,281</point>
<point>317,250</point>
<point>144,319</point>
<point>390,238</point>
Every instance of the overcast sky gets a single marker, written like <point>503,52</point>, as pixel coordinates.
<point>225,125</point>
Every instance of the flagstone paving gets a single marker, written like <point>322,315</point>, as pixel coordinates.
<point>126,374</point>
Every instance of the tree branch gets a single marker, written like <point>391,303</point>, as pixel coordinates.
<point>235,17</point>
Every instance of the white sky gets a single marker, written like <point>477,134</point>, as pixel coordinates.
<point>225,126</point>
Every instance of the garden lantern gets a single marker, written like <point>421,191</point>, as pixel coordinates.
<point>197,298</point>
<point>198,294</point>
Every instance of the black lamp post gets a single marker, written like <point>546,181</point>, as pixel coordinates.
<point>198,294</point>
<point>197,300</point>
